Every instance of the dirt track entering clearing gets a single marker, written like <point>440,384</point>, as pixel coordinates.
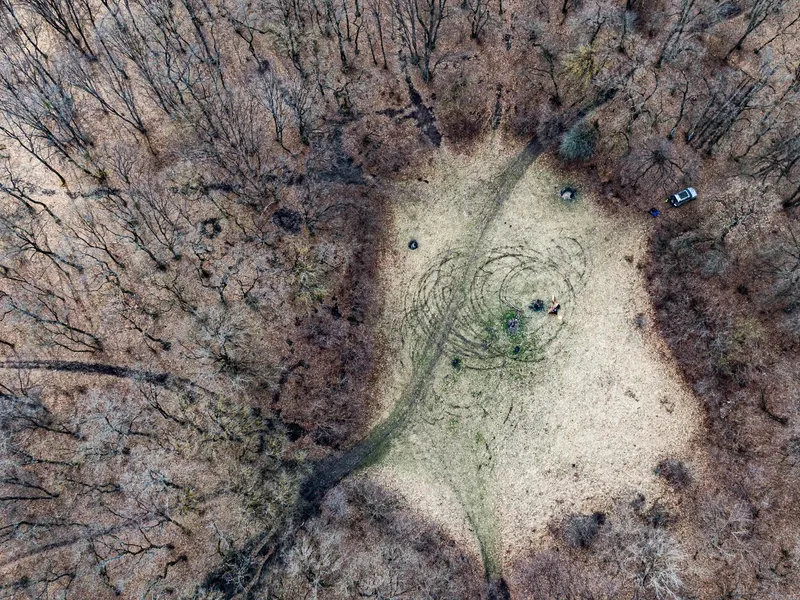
<point>500,417</point>
<point>431,349</point>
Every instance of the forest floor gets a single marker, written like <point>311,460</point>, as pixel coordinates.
<point>518,416</point>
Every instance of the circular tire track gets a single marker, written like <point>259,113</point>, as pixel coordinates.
<point>505,283</point>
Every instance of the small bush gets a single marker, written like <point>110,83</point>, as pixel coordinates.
<point>654,562</point>
<point>580,530</point>
<point>658,516</point>
<point>554,575</point>
<point>674,472</point>
<point>579,142</point>
<point>793,447</point>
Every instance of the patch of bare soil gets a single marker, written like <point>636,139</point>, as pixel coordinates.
<point>522,416</point>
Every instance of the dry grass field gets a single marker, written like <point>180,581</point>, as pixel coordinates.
<point>570,413</point>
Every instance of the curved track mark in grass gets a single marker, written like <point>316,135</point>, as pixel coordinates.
<point>501,290</point>
<point>452,298</point>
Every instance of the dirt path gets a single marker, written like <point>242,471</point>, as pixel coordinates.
<point>514,429</point>
<point>497,418</point>
<point>330,472</point>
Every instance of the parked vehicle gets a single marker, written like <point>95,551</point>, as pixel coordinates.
<point>682,197</point>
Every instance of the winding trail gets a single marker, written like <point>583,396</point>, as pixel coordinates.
<point>329,472</point>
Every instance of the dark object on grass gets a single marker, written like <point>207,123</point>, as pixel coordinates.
<point>498,590</point>
<point>580,530</point>
<point>728,10</point>
<point>658,516</point>
<point>210,228</point>
<point>638,502</point>
<point>289,220</point>
<point>517,349</point>
<point>512,325</point>
<point>675,472</point>
<point>413,245</point>
<point>653,212</point>
<point>569,194</point>
<point>537,305</point>
<point>294,431</point>
<point>456,363</point>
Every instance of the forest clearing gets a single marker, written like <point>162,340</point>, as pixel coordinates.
<point>567,423</point>
<point>399,299</point>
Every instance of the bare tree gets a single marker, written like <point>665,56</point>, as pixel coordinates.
<point>723,109</point>
<point>687,13</point>
<point>783,31</point>
<point>274,98</point>
<point>39,109</point>
<point>20,190</point>
<point>25,236</point>
<point>281,21</point>
<point>376,9</point>
<point>728,523</point>
<point>684,89</point>
<point>232,128</point>
<point>300,97</point>
<point>478,13</point>
<point>73,20</point>
<point>158,40</point>
<point>655,168</point>
<point>779,158</point>
<point>335,13</point>
<point>46,312</point>
<point>550,69</point>
<point>655,559</point>
<point>759,13</point>
<point>418,23</point>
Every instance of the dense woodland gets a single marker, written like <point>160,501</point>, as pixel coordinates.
<point>192,209</point>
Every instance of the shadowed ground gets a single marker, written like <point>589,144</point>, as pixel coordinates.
<point>330,472</point>
<point>431,349</point>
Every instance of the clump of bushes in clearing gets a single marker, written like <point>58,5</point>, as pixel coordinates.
<point>579,142</point>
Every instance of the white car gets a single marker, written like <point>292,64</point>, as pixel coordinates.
<point>682,197</point>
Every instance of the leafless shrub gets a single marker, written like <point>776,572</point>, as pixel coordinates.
<point>367,543</point>
<point>579,531</point>
<point>654,560</point>
<point>650,560</point>
<point>373,502</point>
<point>728,525</point>
<point>674,472</point>
<point>552,575</point>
